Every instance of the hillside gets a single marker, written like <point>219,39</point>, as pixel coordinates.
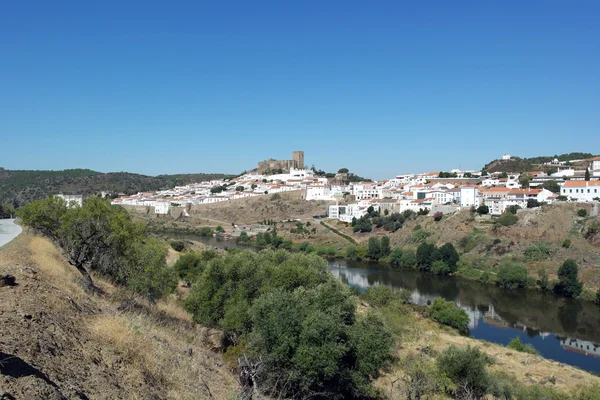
<point>518,164</point>
<point>19,187</point>
<point>60,342</point>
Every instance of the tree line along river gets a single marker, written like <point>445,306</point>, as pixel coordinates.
<point>561,329</point>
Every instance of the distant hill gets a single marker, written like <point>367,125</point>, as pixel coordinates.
<point>19,187</point>
<point>518,164</point>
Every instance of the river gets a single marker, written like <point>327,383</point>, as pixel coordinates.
<point>561,329</point>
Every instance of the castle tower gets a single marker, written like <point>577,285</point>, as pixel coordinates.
<point>298,159</point>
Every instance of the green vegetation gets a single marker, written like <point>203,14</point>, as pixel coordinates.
<point>507,219</point>
<point>288,310</point>
<point>517,345</point>
<point>103,238</point>
<point>538,252</point>
<point>481,210</point>
<point>517,164</point>
<point>568,282</point>
<point>7,211</point>
<point>177,245</point>
<point>552,186</point>
<point>440,261</point>
<point>512,275</point>
<point>582,212</point>
<point>447,313</point>
<point>466,368</point>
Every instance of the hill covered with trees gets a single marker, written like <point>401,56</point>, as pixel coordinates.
<point>518,164</point>
<point>18,187</point>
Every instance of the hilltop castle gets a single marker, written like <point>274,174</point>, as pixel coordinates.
<point>272,165</point>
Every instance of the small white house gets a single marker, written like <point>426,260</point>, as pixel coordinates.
<point>469,196</point>
<point>506,156</point>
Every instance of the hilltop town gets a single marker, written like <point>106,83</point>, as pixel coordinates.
<point>429,193</point>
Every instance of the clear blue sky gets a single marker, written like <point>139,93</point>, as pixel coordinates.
<point>381,87</point>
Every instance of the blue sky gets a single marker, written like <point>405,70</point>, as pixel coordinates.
<point>381,88</point>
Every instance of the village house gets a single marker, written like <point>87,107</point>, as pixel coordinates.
<point>585,191</point>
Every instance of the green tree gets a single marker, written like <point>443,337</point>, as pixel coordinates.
<point>449,255</point>
<point>425,255</point>
<point>504,175</point>
<point>587,174</point>
<point>467,369</point>
<point>544,281</point>
<point>568,282</point>
<point>374,249</point>
<point>343,171</point>
<point>447,313</point>
<point>396,256</point>
<point>219,229</point>
<point>512,275</point>
<point>385,246</point>
<point>552,186</point>
<point>483,209</point>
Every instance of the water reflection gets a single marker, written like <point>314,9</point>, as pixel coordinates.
<point>562,329</point>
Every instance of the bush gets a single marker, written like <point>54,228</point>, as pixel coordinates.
<point>566,243</point>
<point>538,252</point>
<point>178,245</point>
<point>512,275</point>
<point>298,318</point>
<point>481,210</point>
<point>513,209</point>
<point>517,345</point>
<point>243,238</point>
<point>190,266</point>
<point>274,197</point>
<point>420,235</point>
<point>447,313</point>
<point>396,256</point>
<point>507,219</point>
<point>438,216</point>
<point>582,212</point>
<point>543,282</point>
<point>467,369</point>
<point>568,282</point>
<point>379,296</point>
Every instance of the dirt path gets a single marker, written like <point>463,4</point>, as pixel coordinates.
<point>8,231</point>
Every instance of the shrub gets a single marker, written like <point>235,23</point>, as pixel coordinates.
<point>512,275</point>
<point>379,296</point>
<point>298,318</point>
<point>582,212</point>
<point>447,313</point>
<point>396,256</point>
<point>439,267</point>
<point>178,245</point>
<point>513,209</point>
<point>243,238</point>
<point>481,210</point>
<point>190,266</point>
<point>566,243</point>
<point>507,219</point>
<point>467,369</point>
<point>538,252</point>
<point>543,282</point>
<point>568,282</point>
<point>408,260</point>
<point>274,197</point>
<point>517,345</point>
<point>420,236</point>
<point>374,249</point>
<point>532,203</point>
<point>438,216</point>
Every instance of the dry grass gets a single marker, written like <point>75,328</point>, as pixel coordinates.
<point>147,352</point>
<point>176,360</point>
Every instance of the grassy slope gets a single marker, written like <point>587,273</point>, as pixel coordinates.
<point>94,344</point>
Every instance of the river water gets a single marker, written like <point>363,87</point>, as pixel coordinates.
<point>561,329</point>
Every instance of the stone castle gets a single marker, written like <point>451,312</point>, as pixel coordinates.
<point>272,165</point>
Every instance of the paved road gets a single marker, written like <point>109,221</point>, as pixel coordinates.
<point>8,231</point>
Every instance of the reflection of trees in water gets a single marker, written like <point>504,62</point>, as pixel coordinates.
<point>438,286</point>
<point>568,315</point>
